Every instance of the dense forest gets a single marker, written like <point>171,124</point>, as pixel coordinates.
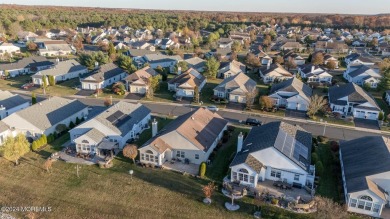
<point>14,18</point>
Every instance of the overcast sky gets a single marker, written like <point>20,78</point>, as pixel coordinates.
<point>303,6</point>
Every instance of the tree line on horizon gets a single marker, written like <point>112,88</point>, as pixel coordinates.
<point>14,18</point>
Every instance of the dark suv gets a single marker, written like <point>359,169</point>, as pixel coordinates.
<point>253,122</point>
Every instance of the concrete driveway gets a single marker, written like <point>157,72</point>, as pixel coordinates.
<point>366,123</point>
<point>131,96</point>
<point>295,114</point>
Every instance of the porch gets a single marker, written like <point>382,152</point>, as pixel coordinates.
<point>181,167</point>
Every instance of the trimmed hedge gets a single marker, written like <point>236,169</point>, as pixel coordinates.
<point>40,142</point>
<point>202,169</point>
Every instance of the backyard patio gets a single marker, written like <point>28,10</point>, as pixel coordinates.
<point>192,169</point>
<point>288,193</point>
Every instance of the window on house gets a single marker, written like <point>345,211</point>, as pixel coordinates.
<point>252,179</point>
<point>376,208</point>
<point>197,156</point>
<point>368,206</point>
<point>361,204</point>
<point>142,156</point>
<point>180,154</point>
<point>296,177</point>
<point>234,176</point>
<point>275,173</point>
<point>353,203</point>
<point>366,197</point>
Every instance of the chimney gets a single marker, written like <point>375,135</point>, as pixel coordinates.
<point>268,65</point>
<point>154,128</point>
<point>240,142</point>
<point>96,65</point>
<point>179,70</point>
<point>312,68</point>
<point>57,60</point>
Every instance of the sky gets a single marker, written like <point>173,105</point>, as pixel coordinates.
<point>298,6</point>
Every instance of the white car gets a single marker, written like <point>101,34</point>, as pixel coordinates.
<point>212,108</point>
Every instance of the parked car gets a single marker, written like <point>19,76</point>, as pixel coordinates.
<point>212,108</point>
<point>253,122</point>
<point>27,86</point>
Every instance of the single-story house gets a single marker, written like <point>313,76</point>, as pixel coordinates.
<point>26,36</point>
<point>26,66</point>
<point>105,75</point>
<point>196,63</point>
<point>336,47</point>
<point>8,48</point>
<point>228,69</point>
<point>315,73</point>
<point>225,43</point>
<point>111,128</point>
<point>275,151</point>
<point>61,71</point>
<point>11,103</point>
<point>55,48</point>
<point>289,54</point>
<point>351,99</point>
<point>363,75</point>
<point>292,94</point>
<point>189,138</point>
<point>235,88</point>
<point>137,81</point>
<point>273,72</point>
<point>365,170</point>
<point>184,84</point>
<point>294,46</point>
<point>164,61</point>
<point>45,116</point>
<point>355,58</point>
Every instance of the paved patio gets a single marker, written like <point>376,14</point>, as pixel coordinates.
<point>71,159</point>
<point>192,169</point>
<point>292,194</point>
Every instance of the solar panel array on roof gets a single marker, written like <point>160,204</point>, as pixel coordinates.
<point>122,120</point>
<point>291,148</point>
<point>115,116</point>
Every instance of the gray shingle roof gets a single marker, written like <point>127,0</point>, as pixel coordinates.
<point>49,112</point>
<point>62,68</point>
<point>291,140</point>
<point>36,61</point>
<point>355,94</point>
<point>158,58</point>
<point>95,135</point>
<point>106,72</point>
<point>3,127</point>
<point>239,82</point>
<point>9,100</point>
<point>293,85</point>
<point>364,69</point>
<point>364,157</point>
<point>122,116</point>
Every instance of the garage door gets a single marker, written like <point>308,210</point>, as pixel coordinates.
<point>292,106</point>
<point>359,114</point>
<point>372,116</point>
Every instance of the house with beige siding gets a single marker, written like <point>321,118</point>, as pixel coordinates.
<point>190,138</point>
<point>137,82</point>
<point>184,84</point>
<point>235,88</point>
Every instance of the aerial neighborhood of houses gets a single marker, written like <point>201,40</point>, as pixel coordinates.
<point>332,78</point>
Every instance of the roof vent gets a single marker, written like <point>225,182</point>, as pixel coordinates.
<point>249,144</point>
<point>40,104</point>
<point>192,118</point>
<point>245,151</point>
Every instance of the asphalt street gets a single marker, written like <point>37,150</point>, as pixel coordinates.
<point>166,109</point>
<point>238,117</point>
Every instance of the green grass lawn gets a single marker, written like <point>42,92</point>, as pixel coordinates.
<point>111,193</point>
<point>162,94</point>
<point>329,183</point>
<point>61,89</point>
<point>208,91</point>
